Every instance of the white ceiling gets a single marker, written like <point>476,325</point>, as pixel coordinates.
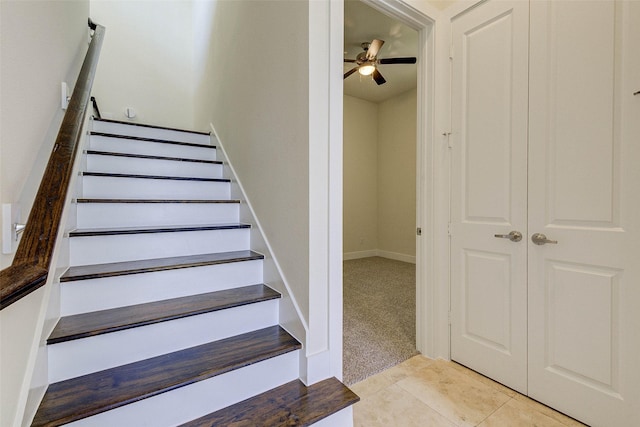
<point>363,24</point>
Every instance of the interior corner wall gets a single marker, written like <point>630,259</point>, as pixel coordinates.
<point>146,61</point>
<point>380,177</point>
<point>360,179</point>
<point>397,175</point>
<point>250,86</point>
<point>42,43</point>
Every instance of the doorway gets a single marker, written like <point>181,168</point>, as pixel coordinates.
<point>389,131</point>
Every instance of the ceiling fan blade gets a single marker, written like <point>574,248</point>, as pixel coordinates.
<point>374,47</point>
<point>411,60</point>
<point>351,71</point>
<point>378,77</point>
<point>350,60</point>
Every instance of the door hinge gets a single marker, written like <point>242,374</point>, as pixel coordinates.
<point>449,229</point>
<point>451,52</point>
<point>419,231</point>
<point>447,135</point>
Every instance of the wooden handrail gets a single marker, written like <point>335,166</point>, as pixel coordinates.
<point>30,267</point>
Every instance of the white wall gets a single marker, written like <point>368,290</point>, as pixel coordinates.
<point>441,4</point>
<point>146,61</point>
<point>380,177</point>
<point>397,175</point>
<point>360,193</point>
<point>257,97</point>
<point>42,44</point>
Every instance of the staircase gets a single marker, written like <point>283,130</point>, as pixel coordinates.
<point>164,317</point>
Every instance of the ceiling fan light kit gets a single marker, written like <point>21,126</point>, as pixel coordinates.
<point>367,68</point>
<point>367,61</point>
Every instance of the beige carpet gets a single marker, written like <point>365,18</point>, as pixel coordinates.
<point>379,316</point>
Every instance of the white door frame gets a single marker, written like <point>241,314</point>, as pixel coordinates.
<point>429,270</point>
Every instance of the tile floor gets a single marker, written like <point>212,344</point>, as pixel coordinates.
<point>436,393</point>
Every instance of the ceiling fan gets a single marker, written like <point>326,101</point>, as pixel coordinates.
<point>368,60</point>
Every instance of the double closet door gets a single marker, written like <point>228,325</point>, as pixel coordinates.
<point>545,202</point>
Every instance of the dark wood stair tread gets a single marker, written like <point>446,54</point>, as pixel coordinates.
<point>121,318</point>
<point>120,122</point>
<point>165,177</point>
<point>149,157</point>
<point>292,404</point>
<point>149,230</point>
<point>80,397</point>
<point>160,141</point>
<point>204,201</point>
<point>84,272</point>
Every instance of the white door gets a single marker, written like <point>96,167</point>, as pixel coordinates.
<point>489,191</point>
<point>584,192</point>
<point>559,320</point>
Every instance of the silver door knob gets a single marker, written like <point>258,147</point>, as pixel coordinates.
<point>541,239</point>
<point>514,236</point>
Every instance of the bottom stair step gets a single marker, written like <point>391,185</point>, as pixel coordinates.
<point>292,404</point>
<point>91,394</point>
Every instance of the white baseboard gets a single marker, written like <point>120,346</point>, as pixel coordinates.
<point>360,254</point>
<point>397,256</point>
<point>377,252</point>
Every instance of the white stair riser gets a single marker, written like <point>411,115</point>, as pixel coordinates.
<point>97,187</point>
<point>95,215</point>
<point>132,247</point>
<point>110,292</point>
<point>343,418</point>
<point>147,132</point>
<point>134,165</point>
<point>202,397</point>
<point>83,296</point>
<point>133,146</point>
<point>84,356</point>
